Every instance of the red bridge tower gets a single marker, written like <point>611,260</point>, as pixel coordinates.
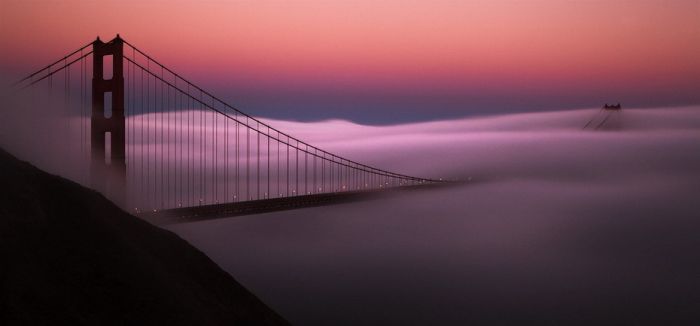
<point>108,166</point>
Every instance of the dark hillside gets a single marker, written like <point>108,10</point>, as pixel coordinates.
<point>70,256</point>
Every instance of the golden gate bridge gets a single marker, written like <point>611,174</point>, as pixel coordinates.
<point>159,144</point>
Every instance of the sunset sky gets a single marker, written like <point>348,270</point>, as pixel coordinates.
<point>387,61</point>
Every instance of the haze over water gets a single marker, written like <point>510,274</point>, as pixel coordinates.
<point>558,225</point>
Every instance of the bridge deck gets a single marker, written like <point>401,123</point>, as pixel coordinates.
<point>217,211</point>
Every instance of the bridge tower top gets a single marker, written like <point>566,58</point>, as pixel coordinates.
<point>108,130</point>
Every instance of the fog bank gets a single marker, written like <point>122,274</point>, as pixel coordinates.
<point>558,226</point>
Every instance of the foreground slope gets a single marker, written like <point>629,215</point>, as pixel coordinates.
<point>69,256</point>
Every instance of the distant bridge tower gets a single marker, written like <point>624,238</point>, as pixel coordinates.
<point>108,165</point>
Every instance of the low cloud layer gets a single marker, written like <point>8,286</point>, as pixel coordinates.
<point>545,144</point>
<point>558,226</point>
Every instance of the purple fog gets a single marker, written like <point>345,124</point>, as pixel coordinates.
<point>556,224</point>
<point>552,223</point>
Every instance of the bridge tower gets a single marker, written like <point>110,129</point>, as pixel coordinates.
<point>108,164</point>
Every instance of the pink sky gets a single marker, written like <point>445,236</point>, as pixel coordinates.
<point>492,48</point>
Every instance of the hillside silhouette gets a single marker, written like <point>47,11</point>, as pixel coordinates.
<point>70,256</point>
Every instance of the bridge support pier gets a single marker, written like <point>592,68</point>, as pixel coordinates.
<point>108,164</point>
